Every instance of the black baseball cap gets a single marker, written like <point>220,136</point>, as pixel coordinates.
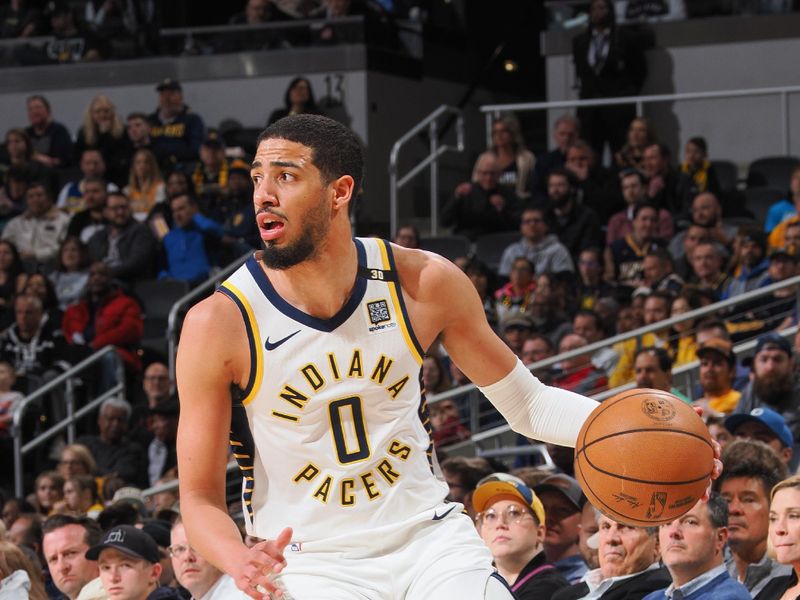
<point>169,84</point>
<point>564,484</point>
<point>773,341</point>
<point>128,540</point>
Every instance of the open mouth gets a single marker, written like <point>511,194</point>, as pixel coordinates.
<point>270,226</point>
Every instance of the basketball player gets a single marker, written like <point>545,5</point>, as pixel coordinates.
<point>320,338</point>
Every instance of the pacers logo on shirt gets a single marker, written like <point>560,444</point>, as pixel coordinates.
<point>379,317</point>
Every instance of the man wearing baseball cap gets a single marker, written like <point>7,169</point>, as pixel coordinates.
<point>563,502</point>
<point>129,565</point>
<point>774,384</point>
<point>764,425</point>
<point>175,131</point>
<point>717,369</point>
<point>511,522</point>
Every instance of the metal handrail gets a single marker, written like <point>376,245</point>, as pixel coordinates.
<point>245,27</point>
<point>491,110</point>
<point>172,319</point>
<point>68,422</point>
<point>436,150</point>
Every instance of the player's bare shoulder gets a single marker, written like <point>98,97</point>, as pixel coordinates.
<point>423,273</point>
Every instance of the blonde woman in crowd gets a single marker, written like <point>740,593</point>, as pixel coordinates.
<point>784,537</point>
<point>102,129</point>
<point>145,186</point>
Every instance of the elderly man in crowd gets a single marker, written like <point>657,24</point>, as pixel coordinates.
<point>691,548</point>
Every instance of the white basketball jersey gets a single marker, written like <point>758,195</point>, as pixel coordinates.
<point>331,431</point>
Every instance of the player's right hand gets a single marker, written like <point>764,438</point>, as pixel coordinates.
<point>260,564</point>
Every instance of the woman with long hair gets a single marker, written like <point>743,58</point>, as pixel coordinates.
<point>10,269</point>
<point>640,136</point>
<point>72,272</point>
<point>103,130</point>
<point>74,460</point>
<point>19,148</point>
<point>19,579</point>
<point>145,184</point>
<point>48,490</point>
<point>515,161</point>
<point>298,99</point>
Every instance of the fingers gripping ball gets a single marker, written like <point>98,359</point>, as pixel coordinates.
<point>644,457</point>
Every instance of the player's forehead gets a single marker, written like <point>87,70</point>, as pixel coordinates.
<point>279,151</point>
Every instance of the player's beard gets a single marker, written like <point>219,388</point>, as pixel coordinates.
<point>316,224</point>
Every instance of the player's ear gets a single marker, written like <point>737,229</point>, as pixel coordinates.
<point>343,190</point>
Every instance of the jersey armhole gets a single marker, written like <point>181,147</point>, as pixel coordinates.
<point>253,340</point>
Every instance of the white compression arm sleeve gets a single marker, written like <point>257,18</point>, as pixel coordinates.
<point>537,410</point>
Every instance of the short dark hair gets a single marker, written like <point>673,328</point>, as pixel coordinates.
<point>588,312</point>
<point>708,324</point>
<point>560,172</point>
<point>717,510</point>
<point>663,295</point>
<point>700,142</point>
<point>640,206</point>
<point>631,172</point>
<point>662,356</point>
<point>751,459</point>
<point>661,254</point>
<point>41,99</point>
<point>92,532</point>
<point>469,470</point>
<point>336,149</point>
<point>137,115</point>
<point>547,341</point>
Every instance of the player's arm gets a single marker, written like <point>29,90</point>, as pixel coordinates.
<point>531,408</point>
<point>208,363</point>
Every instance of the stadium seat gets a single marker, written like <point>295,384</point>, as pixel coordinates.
<point>727,174</point>
<point>489,248</point>
<point>758,200</point>
<point>449,246</point>
<point>771,171</point>
<point>157,297</point>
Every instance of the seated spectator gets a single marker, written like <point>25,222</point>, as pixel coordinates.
<point>591,285</point>
<point>697,166</point>
<point>514,159</point>
<point>593,184</point>
<point>72,272</point>
<point>193,572</point>
<point>12,194</point>
<point>73,41</point>
<point>35,347</point>
<point>763,425</point>
<point>485,207</point>
<point>786,234</point>
<point>81,498</point>
<point>753,264</point>
<point>299,96</point>
<point>105,316</point>
<point>717,368</point>
<point>633,192</point>
<point>578,374</point>
<point>480,277</point>
<point>407,236</point>
<point>38,285</point>
<point>576,225</point>
<point>624,259</point>
<point>19,20</point>
<point>550,306</point>
<point>666,188</point>
<point>75,459</point>
<point>565,131</point>
<point>542,249</point>
<point>511,521</point>
<point>640,136</point>
<point>692,549</point>
<point>751,470</point>
<point>137,127</point>
<point>189,245</point>
<point>535,348</point>
<point>19,576</point>
<point>716,427</point>
<point>52,143</point>
<point>588,529</point>
<point>446,423</point>
<point>210,174</point>
<point>706,212</point>
<point>517,294</point>
<point>694,235</point>
<point>125,245</point>
<point>462,475</point>
<point>587,324</point>
<point>9,397</point>
<point>145,187</point>
<point>22,157</point>
<point>161,453</point>
<point>92,165</point>
<point>128,560</point>
<point>175,131</point>
<point>48,491</point>
<point>38,232</point>
<point>658,274</point>
<point>114,454</point>
<point>90,219</point>
<point>113,19</point>
<point>787,207</point>
<point>656,308</point>
<point>515,329</point>
<point>64,544</point>
<point>563,503</point>
<point>707,273</point>
<point>782,537</point>
<point>102,129</point>
<point>652,368</point>
<point>682,342</point>
<point>629,567</point>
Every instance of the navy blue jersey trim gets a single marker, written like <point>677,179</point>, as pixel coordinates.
<point>251,340</point>
<point>326,325</point>
<point>396,282</point>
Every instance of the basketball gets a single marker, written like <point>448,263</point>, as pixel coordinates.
<point>644,457</point>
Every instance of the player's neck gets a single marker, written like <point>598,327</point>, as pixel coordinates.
<point>322,285</point>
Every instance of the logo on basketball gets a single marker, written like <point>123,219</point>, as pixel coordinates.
<point>657,503</point>
<point>658,409</point>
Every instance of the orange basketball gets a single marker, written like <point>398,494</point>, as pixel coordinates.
<point>644,457</point>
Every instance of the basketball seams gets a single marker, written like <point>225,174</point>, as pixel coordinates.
<point>650,430</point>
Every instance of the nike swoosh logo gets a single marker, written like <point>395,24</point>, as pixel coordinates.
<point>272,345</point>
<point>439,517</point>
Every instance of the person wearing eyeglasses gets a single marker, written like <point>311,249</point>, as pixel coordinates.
<point>511,521</point>
<point>195,573</point>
